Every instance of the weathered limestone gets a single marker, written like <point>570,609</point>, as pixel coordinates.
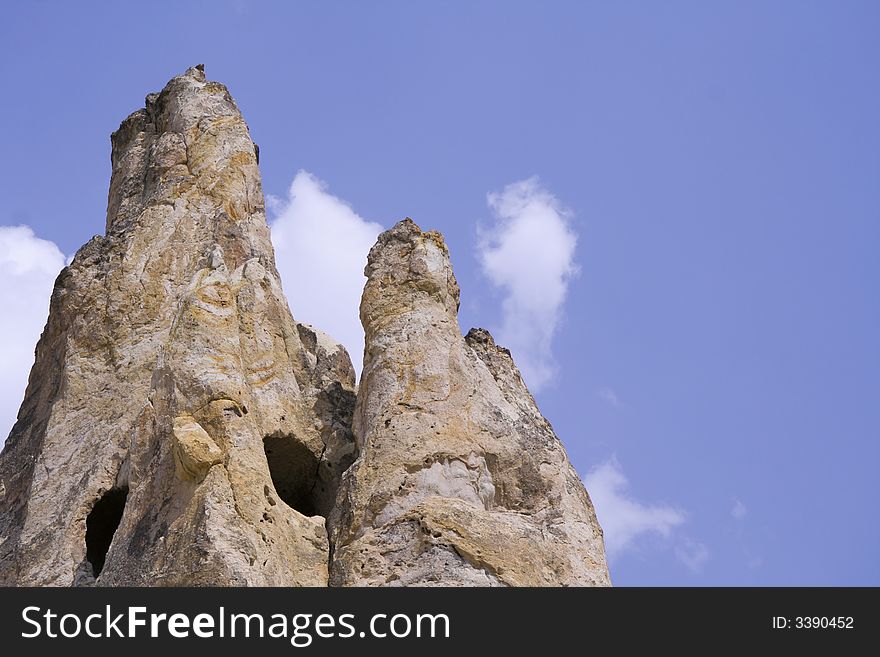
<point>460,480</point>
<point>169,356</point>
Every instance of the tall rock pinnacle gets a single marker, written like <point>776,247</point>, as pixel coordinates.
<point>460,480</point>
<point>174,399</point>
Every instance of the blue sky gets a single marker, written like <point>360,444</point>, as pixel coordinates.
<point>705,220</point>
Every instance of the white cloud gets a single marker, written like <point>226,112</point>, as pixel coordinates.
<point>692,554</point>
<point>321,248</point>
<point>28,268</point>
<point>609,396</point>
<point>623,518</point>
<point>738,512</point>
<point>528,251</point>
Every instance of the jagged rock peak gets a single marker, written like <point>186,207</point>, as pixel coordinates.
<point>188,137</point>
<point>179,426</point>
<point>399,253</point>
<point>460,479</point>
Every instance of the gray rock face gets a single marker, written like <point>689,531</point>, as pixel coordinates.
<point>460,480</point>
<point>171,382</point>
<point>181,428</point>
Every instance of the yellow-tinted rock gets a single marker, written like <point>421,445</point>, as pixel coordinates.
<point>169,356</point>
<point>460,479</point>
<point>194,450</point>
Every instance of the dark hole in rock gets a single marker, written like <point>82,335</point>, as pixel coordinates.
<point>101,524</point>
<point>294,471</point>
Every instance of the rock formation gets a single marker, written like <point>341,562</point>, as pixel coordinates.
<point>181,428</point>
<point>460,480</point>
<point>169,370</point>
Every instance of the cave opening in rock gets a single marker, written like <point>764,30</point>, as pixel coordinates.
<point>101,525</point>
<point>294,471</point>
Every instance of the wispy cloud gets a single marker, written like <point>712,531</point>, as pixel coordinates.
<point>623,518</point>
<point>28,268</point>
<point>610,397</point>
<point>527,251</point>
<point>321,246</point>
<point>739,512</point>
<point>692,554</point>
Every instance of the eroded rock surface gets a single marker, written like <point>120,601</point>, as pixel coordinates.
<point>181,428</point>
<point>460,479</point>
<point>168,359</point>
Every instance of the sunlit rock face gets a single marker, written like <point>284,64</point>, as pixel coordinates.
<point>460,480</point>
<point>181,428</point>
<point>169,359</point>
